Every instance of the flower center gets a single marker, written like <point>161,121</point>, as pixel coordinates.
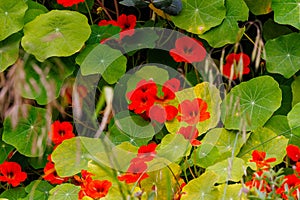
<point>10,174</point>
<point>61,132</point>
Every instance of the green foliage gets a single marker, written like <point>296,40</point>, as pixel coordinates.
<point>200,16</point>
<point>287,12</point>
<point>283,55</point>
<point>250,104</point>
<point>28,130</point>
<point>52,34</point>
<point>64,191</point>
<point>236,10</point>
<point>11,17</point>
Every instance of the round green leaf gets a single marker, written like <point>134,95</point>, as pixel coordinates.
<point>296,90</point>
<point>29,131</point>
<point>283,55</point>
<point>38,190</point>
<point>14,193</point>
<point>229,170</point>
<point>259,7</point>
<point>264,139</point>
<point>287,12</point>
<point>173,147</point>
<point>108,62</point>
<point>206,155</point>
<point>294,119</point>
<point>9,50</point>
<point>56,33</point>
<point>236,10</point>
<point>231,192</point>
<point>117,136</point>
<point>227,142</point>
<point>11,17</point>
<point>250,104</point>
<point>71,156</point>
<point>66,191</point>
<point>200,188</point>
<point>200,16</point>
<point>57,69</point>
<point>279,125</point>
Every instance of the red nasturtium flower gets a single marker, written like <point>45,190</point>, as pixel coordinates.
<point>126,22</point>
<point>193,112</point>
<point>95,189</point>
<point>147,152</point>
<point>161,111</point>
<point>11,173</point>
<point>188,50</point>
<point>136,172</point>
<point>69,3</point>
<point>259,157</point>
<point>238,63</point>
<point>143,97</point>
<point>190,133</point>
<point>61,131</point>
<point>293,152</point>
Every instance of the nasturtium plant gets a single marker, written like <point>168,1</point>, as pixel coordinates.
<point>293,119</point>
<point>250,104</point>
<point>205,91</point>
<point>11,17</point>
<point>283,55</point>
<point>231,169</point>
<point>52,34</point>
<point>295,90</point>
<point>258,7</point>
<point>200,16</point>
<point>9,51</point>
<point>28,129</point>
<point>235,11</point>
<point>64,191</point>
<point>201,187</point>
<point>149,99</point>
<point>108,62</point>
<point>38,190</point>
<point>263,139</point>
<point>55,73</point>
<point>287,12</point>
<point>279,125</point>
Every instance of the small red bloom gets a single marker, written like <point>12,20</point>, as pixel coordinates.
<point>51,175</point>
<point>169,88</point>
<point>135,172</point>
<point>259,157</point>
<point>193,112</point>
<point>126,22</point>
<point>238,63</point>
<point>188,50</point>
<point>69,3</point>
<point>61,131</point>
<point>107,22</point>
<point>161,113</point>
<point>293,152</point>
<point>97,189</point>
<point>11,173</point>
<point>143,97</point>
<point>147,152</point>
<point>190,133</point>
